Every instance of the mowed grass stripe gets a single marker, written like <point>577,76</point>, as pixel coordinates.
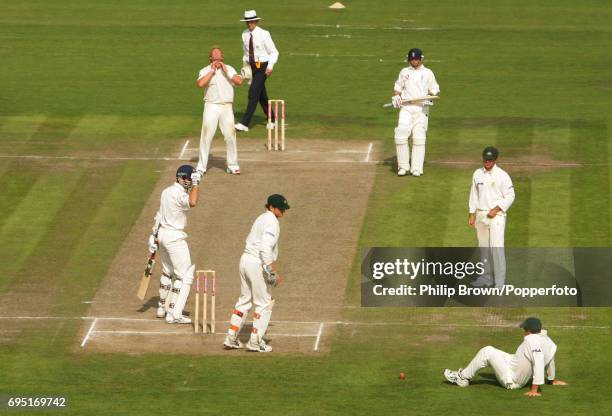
<point>42,272</point>
<point>549,215</point>
<point>16,131</point>
<point>14,183</point>
<point>590,186</point>
<point>101,239</point>
<point>30,220</point>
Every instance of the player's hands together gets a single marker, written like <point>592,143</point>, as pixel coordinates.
<point>492,213</point>
<point>396,100</point>
<point>152,244</point>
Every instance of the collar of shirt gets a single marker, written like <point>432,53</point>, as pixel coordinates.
<point>179,186</point>
<point>493,170</point>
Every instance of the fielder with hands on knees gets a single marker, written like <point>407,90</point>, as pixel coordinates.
<point>170,238</point>
<point>218,80</point>
<point>258,275</point>
<point>534,357</point>
<point>491,195</point>
<point>414,81</point>
<point>259,57</point>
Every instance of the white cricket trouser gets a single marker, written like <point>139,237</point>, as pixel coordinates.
<point>176,263</point>
<point>490,233</point>
<point>223,116</point>
<point>502,364</point>
<point>253,292</point>
<point>413,121</point>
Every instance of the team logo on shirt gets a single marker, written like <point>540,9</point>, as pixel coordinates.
<point>536,350</point>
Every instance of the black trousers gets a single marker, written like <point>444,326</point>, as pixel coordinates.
<point>257,94</point>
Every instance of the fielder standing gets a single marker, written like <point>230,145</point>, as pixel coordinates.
<point>169,234</point>
<point>260,56</point>
<point>415,81</point>
<point>532,358</point>
<point>218,80</point>
<point>491,196</point>
<point>257,277</point>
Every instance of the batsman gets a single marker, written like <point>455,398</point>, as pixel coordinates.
<point>258,276</point>
<point>170,221</point>
<point>414,81</point>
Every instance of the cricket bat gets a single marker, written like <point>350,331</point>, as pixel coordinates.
<point>415,100</point>
<point>146,277</point>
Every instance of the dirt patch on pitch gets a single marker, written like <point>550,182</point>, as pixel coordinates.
<point>327,184</point>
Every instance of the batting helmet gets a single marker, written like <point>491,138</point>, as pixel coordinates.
<point>414,53</point>
<point>185,172</point>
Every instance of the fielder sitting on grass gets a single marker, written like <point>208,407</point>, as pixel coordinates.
<point>257,277</point>
<point>168,233</point>
<point>532,358</point>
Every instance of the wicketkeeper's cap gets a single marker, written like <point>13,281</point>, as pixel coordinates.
<point>532,324</point>
<point>278,201</point>
<point>490,153</point>
<point>415,53</point>
<point>249,16</point>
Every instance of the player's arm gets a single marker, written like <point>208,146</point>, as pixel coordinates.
<point>268,241</point>
<point>550,375</point>
<point>433,88</point>
<point>204,80</point>
<point>537,362</point>
<point>273,54</point>
<point>507,190</point>
<point>472,203</point>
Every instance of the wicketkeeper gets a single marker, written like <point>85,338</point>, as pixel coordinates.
<point>170,222</point>
<point>414,81</point>
<point>534,357</point>
<point>258,275</point>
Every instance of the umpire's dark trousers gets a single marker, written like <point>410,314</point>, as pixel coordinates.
<point>257,94</point>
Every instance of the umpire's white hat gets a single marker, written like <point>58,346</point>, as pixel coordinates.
<point>249,16</point>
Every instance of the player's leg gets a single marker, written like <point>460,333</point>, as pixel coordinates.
<point>489,356</point>
<point>419,137</point>
<point>257,84</point>
<point>263,302</point>
<point>241,309</point>
<point>210,120</point>
<point>263,101</point>
<point>498,255</point>
<point>226,124</point>
<point>402,132</point>
<point>165,282</point>
<point>184,272</point>
<point>482,233</point>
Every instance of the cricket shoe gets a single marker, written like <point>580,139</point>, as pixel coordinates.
<point>233,171</point>
<point>482,281</point>
<point>232,343</point>
<point>402,172</point>
<point>241,127</point>
<point>270,125</point>
<point>161,312</point>
<point>170,319</point>
<point>260,346</point>
<point>455,377</point>
<point>416,173</point>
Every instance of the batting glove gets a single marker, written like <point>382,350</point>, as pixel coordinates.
<point>152,244</point>
<point>196,177</point>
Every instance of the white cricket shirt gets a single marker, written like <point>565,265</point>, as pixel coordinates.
<point>490,189</point>
<point>264,49</point>
<point>174,204</point>
<point>220,89</point>
<point>416,83</point>
<point>532,357</point>
<point>262,241</point>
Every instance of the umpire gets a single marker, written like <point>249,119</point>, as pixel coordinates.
<point>260,55</point>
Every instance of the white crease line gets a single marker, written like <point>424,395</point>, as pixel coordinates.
<point>367,159</point>
<point>91,328</point>
<point>183,150</point>
<point>190,333</point>
<point>357,323</point>
<point>316,345</point>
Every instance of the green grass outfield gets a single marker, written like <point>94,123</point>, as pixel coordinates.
<point>116,78</point>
